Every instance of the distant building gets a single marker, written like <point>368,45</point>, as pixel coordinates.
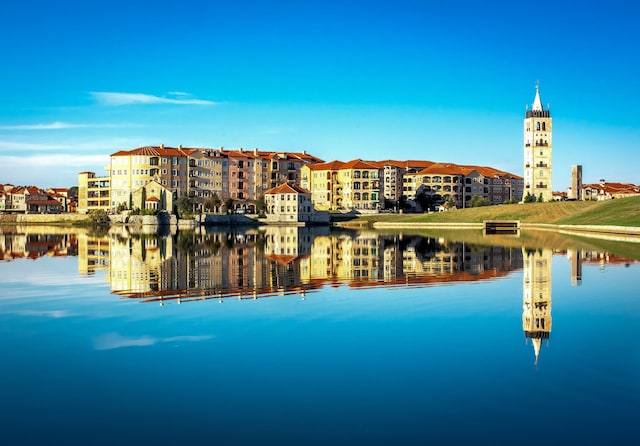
<point>575,192</point>
<point>608,191</point>
<point>28,200</point>
<point>537,151</point>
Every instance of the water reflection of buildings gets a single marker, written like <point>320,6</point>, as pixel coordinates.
<point>29,243</point>
<point>281,260</point>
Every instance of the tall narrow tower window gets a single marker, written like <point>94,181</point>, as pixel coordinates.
<point>544,126</point>
<point>538,126</point>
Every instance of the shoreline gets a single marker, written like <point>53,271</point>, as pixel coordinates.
<point>630,233</point>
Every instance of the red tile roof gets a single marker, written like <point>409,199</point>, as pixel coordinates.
<point>287,189</point>
<point>331,165</point>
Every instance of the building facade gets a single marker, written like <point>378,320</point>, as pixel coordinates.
<point>200,173</point>
<point>537,151</point>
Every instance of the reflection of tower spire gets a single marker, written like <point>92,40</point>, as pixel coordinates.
<point>536,297</point>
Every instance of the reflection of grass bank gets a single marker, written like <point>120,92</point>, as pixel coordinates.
<point>620,212</point>
<point>530,239</point>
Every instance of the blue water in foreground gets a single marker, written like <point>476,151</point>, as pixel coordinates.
<point>445,364</point>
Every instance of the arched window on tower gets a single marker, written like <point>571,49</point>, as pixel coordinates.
<point>544,126</point>
<point>538,126</point>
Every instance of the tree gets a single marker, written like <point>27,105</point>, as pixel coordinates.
<point>228,204</point>
<point>477,201</point>
<point>212,203</point>
<point>529,198</point>
<point>540,198</point>
<point>261,205</point>
<point>184,207</point>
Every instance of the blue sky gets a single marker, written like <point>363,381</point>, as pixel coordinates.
<point>444,81</point>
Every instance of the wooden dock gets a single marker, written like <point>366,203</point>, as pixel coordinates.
<point>501,227</point>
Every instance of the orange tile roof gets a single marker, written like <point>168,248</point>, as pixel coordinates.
<point>443,168</point>
<point>287,189</point>
<point>155,151</point>
<point>359,164</point>
<point>331,165</point>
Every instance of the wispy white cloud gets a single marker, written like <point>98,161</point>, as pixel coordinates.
<point>117,98</point>
<point>55,314</point>
<point>110,341</point>
<point>58,125</point>
<point>52,161</point>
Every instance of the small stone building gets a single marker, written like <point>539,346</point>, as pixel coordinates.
<point>153,195</point>
<point>290,204</point>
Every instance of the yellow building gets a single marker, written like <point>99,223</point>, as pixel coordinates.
<point>537,151</point>
<point>93,192</point>
<point>351,186</point>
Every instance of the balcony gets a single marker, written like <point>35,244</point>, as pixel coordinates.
<point>542,165</point>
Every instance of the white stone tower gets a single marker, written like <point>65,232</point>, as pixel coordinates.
<point>537,151</point>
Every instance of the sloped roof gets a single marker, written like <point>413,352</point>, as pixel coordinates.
<point>287,189</point>
<point>359,164</point>
<point>331,165</point>
<point>443,168</point>
<point>155,151</point>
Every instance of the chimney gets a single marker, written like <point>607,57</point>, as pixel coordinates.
<point>162,146</point>
<point>255,151</point>
<point>179,146</point>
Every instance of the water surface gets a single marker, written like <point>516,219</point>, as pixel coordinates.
<point>295,336</point>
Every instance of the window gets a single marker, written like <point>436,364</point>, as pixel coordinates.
<point>538,126</point>
<point>356,174</point>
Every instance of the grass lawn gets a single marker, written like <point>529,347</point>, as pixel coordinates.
<point>620,212</point>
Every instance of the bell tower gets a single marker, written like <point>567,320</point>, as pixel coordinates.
<point>537,151</point>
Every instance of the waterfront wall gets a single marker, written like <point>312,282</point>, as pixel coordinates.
<point>42,219</point>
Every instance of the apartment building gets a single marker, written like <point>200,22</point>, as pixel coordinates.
<point>240,175</point>
<point>354,185</point>
<point>94,193</point>
<point>447,182</point>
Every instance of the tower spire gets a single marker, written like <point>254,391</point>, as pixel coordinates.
<point>537,103</point>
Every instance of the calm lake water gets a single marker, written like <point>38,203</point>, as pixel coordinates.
<point>297,336</point>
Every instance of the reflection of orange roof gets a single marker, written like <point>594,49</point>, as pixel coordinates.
<point>284,260</point>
